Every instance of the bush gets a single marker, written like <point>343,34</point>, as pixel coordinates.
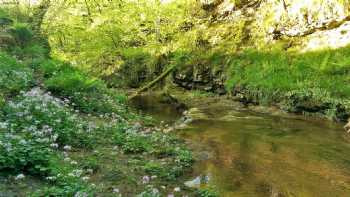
<point>88,94</point>
<point>132,142</point>
<point>45,118</point>
<point>19,155</point>
<point>184,158</point>
<point>154,169</point>
<point>13,76</point>
<point>22,33</point>
<point>33,52</point>
<point>48,68</point>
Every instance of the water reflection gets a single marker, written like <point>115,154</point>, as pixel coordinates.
<point>248,154</point>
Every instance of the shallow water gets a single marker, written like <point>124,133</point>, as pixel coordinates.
<point>242,153</point>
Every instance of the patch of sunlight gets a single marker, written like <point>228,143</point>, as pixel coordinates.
<point>335,38</point>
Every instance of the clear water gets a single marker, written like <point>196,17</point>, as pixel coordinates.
<point>242,153</point>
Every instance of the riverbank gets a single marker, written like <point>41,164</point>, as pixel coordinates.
<point>65,133</point>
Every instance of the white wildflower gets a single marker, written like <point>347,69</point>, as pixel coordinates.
<point>19,177</point>
<point>177,189</point>
<point>54,145</point>
<point>67,148</point>
<point>85,178</point>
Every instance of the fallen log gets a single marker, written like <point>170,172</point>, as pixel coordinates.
<point>152,83</point>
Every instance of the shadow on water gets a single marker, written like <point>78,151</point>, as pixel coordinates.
<point>260,155</point>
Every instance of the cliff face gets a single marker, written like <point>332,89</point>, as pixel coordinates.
<point>321,23</point>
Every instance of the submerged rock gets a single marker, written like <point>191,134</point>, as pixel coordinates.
<point>194,114</point>
<point>198,181</point>
<point>193,183</point>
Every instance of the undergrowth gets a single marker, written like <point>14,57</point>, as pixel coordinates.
<point>307,82</point>
<point>64,128</point>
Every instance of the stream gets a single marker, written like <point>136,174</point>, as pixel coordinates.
<point>244,153</point>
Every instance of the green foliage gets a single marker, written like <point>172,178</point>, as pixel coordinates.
<point>68,82</point>
<point>154,169</point>
<point>14,77</point>
<point>42,132</point>
<point>49,68</point>
<point>132,142</point>
<point>149,192</point>
<point>36,114</point>
<point>184,158</point>
<point>136,66</point>
<point>207,192</point>
<point>305,82</point>
<point>33,52</point>
<point>18,155</point>
<point>68,188</point>
<point>90,163</point>
<point>87,94</point>
<point>2,101</point>
<point>22,33</point>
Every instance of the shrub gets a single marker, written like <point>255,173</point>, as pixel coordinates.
<point>22,33</point>
<point>4,18</point>
<point>88,94</point>
<point>184,158</point>
<point>18,154</point>
<point>13,76</point>
<point>154,168</point>
<point>40,116</point>
<point>33,52</point>
<point>49,68</point>
<point>132,142</point>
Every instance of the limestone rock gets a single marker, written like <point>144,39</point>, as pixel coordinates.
<point>347,126</point>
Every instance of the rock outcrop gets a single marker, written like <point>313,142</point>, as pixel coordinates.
<point>347,126</point>
<point>201,77</point>
<point>273,19</point>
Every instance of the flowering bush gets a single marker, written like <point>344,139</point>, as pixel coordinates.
<point>40,116</point>
<point>13,76</point>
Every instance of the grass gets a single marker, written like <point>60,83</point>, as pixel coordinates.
<point>308,82</point>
